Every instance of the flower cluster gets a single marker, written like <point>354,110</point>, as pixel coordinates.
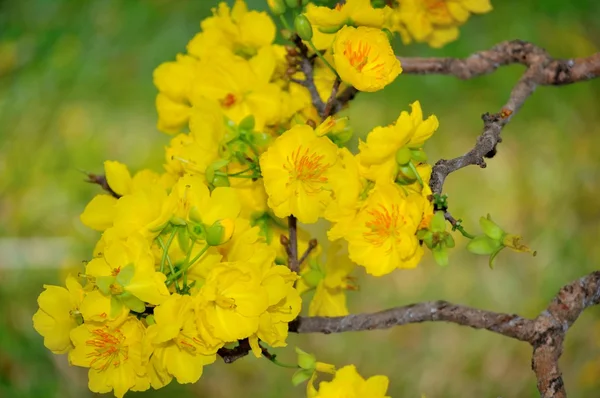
<point>195,259</point>
<point>434,22</point>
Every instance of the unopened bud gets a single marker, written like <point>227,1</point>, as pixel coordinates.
<point>247,123</point>
<point>303,27</point>
<point>221,181</point>
<point>220,232</point>
<point>277,6</point>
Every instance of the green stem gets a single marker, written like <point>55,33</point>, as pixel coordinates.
<point>464,233</point>
<point>238,176</point>
<point>175,275</point>
<point>187,259</point>
<point>312,46</point>
<point>165,250</point>
<point>414,169</point>
<point>284,22</point>
<point>166,255</point>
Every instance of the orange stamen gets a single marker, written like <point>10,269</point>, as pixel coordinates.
<point>307,167</point>
<point>229,100</point>
<point>384,224</point>
<point>358,56</point>
<point>109,349</point>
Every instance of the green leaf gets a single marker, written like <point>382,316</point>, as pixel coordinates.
<point>490,228</point>
<point>440,255</point>
<point>124,276</point>
<point>116,307</point>
<point>104,282</point>
<point>306,360</point>
<point>132,302</point>
<point>483,245</point>
<point>438,222</point>
<point>301,375</point>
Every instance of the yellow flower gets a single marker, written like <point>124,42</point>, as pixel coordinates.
<point>296,171</point>
<point>241,31</point>
<point>126,275</point>
<point>174,82</point>
<point>347,383</point>
<point>241,87</point>
<point>177,348</point>
<point>410,131</point>
<point>436,21</point>
<point>235,300</point>
<point>352,12</point>
<point>364,58</point>
<point>114,356</point>
<point>284,305</point>
<point>330,293</point>
<point>382,235</point>
<point>59,314</point>
<point>347,185</point>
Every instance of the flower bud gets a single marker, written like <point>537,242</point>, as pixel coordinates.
<point>303,27</point>
<point>209,173</point>
<point>418,155</point>
<point>330,29</point>
<point>150,320</point>
<point>406,173</point>
<point>403,156</point>
<point>296,3</point>
<point>277,7</point>
<point>312,278</point>
<point>220,232</point>
<point>221,181</point>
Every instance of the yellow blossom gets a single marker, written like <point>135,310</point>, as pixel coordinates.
<point>296,171</point>
<point>235,300</point>
<point>382,235</point>
<point>241,31</point>
<point>174,82</point>
<point>241,87</point>
<point>114,356</point>
<point>126,275</point>
<point>59,314</point>
<point>347,383</point>
<point>177,348</point>
<point>410,131</point>
<point>352,12</point>
<point>436,21</point>
<point>364,58</point>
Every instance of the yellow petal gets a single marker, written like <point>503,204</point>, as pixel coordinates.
<point>118,177</point>
<point>99,214</point>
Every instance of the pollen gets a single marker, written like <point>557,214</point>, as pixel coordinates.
<point>307,167</point>
<point>384,224</point>
<point>229,100</point>
<point>107,349</point>
<point>361,58</point>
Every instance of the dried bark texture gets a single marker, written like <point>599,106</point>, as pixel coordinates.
<point>542,69</point>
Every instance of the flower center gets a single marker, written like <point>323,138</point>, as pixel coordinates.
<point>109,349</point>
<point>307,167</point>
<point>438,11</point>
<point>383,224</point>
<point>229,100</point>
<point>358,56</point>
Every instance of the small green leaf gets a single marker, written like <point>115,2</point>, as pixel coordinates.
<point>438,222</point>
<point>132,302</point>
<point>124,276</point>
<point>449,241</point>
<point>440,255</point>
<point>116,307</point>
<point>403,156</point>
<point>104,282</point>
<point>306,360</point>
<point>301,375</point>
<point>490,228</point>
<point>483,245</point>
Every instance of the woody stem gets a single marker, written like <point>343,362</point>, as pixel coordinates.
<point>292,247</point>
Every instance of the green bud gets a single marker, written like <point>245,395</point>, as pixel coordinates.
<point>301,375</point>
<point>440,255</point>
<point>247,123</point>
<point>194,215</point>
<point>330,29</point>
<point>490,228</point>
<point>277,7</point>
<point>418,155</point>
<point>220,232</point>
<point>407,173</point>
<point>305,360</point>
<point>483,245</point>
<point>221,181</point>
<point>428,239</point>
<point>150,320</point>
<point>438,222</point>
<point>261,139</point>
<point>296,3</point>
<point>231,133</point>
<point>340,138</point>
<point>196,231</point>
<point>303,27</point>
<point>403,156</point>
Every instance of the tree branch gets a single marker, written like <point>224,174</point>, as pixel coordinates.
<point>545,333</point>
<point>541,70</point>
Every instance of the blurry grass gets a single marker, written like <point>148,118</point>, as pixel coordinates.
<point>76,89</point>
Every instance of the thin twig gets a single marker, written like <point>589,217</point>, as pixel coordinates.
<point>100,179</point>
<point>293,244</point>
<point>312,245</point>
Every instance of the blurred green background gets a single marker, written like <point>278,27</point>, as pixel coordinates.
<point>76,89</point>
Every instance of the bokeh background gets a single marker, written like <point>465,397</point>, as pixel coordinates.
<point>76,89</point>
